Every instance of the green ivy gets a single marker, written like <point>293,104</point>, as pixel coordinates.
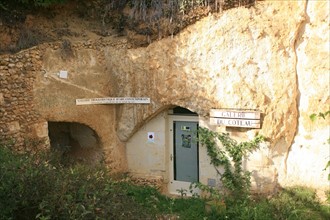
<point>323,115</point>
<point>314,116</point>
<point>235,180</point>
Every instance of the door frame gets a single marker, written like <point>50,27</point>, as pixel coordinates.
<point>174,185</point>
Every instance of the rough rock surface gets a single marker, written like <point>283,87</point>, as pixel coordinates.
<point>243,59</point>
<point>259,58</point>
<point>20,123</point>
<point>310,153</point>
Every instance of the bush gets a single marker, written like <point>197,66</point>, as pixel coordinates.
<point>298,203</point>
<point>37,187</point>
<point>43,3</point>
<point>291,203</point>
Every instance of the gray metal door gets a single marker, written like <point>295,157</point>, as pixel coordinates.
<point>185,151</point>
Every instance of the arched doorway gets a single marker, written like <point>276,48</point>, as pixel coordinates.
<point>183,149</point>
<point>166,148</point>
<point>77,142</point>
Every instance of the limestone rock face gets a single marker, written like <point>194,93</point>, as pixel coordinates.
<point>310,151</point>
<point>273,57</point>
<point>86,78</point>
<point>243,59</point>
<point>258,58</point>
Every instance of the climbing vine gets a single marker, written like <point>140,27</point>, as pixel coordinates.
<point>323,115</point>
<point>313,118</point>
<point>233,178</point>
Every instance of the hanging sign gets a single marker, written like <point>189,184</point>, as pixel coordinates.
<point>113,100</point>
<point>235,118</point>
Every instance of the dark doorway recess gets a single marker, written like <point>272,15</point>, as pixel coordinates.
<point>77,142</point>
<point>183,111</point>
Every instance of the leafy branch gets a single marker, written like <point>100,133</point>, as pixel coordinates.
<point>234,178</point>
<point>323,115</point>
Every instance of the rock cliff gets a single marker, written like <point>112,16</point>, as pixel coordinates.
<point>273,57</point>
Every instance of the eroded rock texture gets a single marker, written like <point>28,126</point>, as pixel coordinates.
<point>273,57</point>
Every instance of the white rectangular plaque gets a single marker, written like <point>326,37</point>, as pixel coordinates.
<point>113,100</point>
<point>234,122</point>
<point>63,74</point>
<point>240,114</point>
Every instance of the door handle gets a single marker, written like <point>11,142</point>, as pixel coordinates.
<point>171,157</point>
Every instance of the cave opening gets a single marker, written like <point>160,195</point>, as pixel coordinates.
<point>77,143</point>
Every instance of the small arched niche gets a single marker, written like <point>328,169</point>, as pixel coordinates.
<point>76,142</point>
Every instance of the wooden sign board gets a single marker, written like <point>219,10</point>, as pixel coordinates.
<point>113,100</point>
<point>234,122</point>
<point>224,113</point>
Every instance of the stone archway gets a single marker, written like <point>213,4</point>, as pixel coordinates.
<point>77,142</point>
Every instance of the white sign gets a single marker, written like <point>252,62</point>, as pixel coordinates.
<point>63,74</point>
<point>233,122</point>
<point>224,113</point>
<point>113,100</point>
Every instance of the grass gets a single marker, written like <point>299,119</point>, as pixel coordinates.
<point>39,187</point>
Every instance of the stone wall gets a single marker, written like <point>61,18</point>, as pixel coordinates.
<point>32,94</point>
<point>20,122</point>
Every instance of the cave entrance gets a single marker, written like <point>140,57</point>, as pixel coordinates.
<point>76,142</point>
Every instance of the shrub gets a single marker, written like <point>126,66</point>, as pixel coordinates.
<point>37,187</point>
<point>43,3</point>
<point>297,203</point>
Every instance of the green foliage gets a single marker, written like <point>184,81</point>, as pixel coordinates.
<point>323,115</point>
<point>42,3</point>
<point>313,118</point>
<point>213,194</point>
<point>327,193</point>
<point>3,7</point>
<point>38,187</point>
<point>298,203</point>
<point>234,178</point>
<point>328,165</point>
<point>154,10</point>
